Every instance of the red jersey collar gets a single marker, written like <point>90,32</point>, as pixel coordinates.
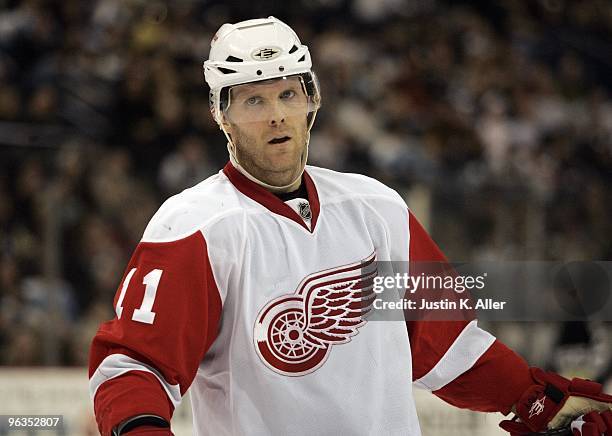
<point>271,201</point>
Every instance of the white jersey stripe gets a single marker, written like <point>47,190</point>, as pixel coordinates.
<point>118,364</point>
<point>471,343</point>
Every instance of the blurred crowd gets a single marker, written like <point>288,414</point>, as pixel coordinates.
<point>493,118</point>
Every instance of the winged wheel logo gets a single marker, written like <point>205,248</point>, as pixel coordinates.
<point>294,334</point>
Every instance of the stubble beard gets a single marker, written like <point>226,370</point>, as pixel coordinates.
<point>253,159</point>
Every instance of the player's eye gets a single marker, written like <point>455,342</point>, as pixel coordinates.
<point>252,101</point>
<point>287,94</point>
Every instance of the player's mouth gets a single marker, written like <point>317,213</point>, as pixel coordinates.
<point>279,140</point>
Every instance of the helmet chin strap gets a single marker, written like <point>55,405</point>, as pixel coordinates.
<point>231,148</point>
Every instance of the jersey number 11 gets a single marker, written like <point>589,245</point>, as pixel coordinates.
<point>144,313</point>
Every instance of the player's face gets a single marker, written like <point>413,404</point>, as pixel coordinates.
<point>267,122</point>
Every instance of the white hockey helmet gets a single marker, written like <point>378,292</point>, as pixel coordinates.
<point>252,51</point>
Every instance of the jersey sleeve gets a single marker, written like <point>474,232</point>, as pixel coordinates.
<point>167,314</point>
<point>454,358</point>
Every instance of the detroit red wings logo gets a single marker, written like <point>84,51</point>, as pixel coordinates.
<point>294,334</point>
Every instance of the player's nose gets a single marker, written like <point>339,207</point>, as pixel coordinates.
<point>276,115</point>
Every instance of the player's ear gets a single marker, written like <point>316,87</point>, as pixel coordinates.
<point>224,124</point>
<point>227,126</point>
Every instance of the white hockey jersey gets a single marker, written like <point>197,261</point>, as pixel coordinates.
<point>255,305</point>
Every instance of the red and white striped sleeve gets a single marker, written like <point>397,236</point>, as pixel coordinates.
<point>455,359</point>
<point>167,314</point>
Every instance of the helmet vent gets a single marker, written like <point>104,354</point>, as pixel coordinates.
<point>293,49</point>
<point>233,59</point>
<point>302,58</point>
<point>226,70</point>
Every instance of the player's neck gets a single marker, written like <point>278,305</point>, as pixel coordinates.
<point>291,188</point>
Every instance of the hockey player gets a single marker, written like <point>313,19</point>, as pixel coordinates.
<point>249,290</point>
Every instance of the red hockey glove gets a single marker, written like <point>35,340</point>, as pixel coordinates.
<point>553,402</point>
<point>593,424</point>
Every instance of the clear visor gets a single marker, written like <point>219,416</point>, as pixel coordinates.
<point>290,97</point>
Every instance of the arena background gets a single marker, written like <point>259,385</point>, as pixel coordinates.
<point>492,119</point>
